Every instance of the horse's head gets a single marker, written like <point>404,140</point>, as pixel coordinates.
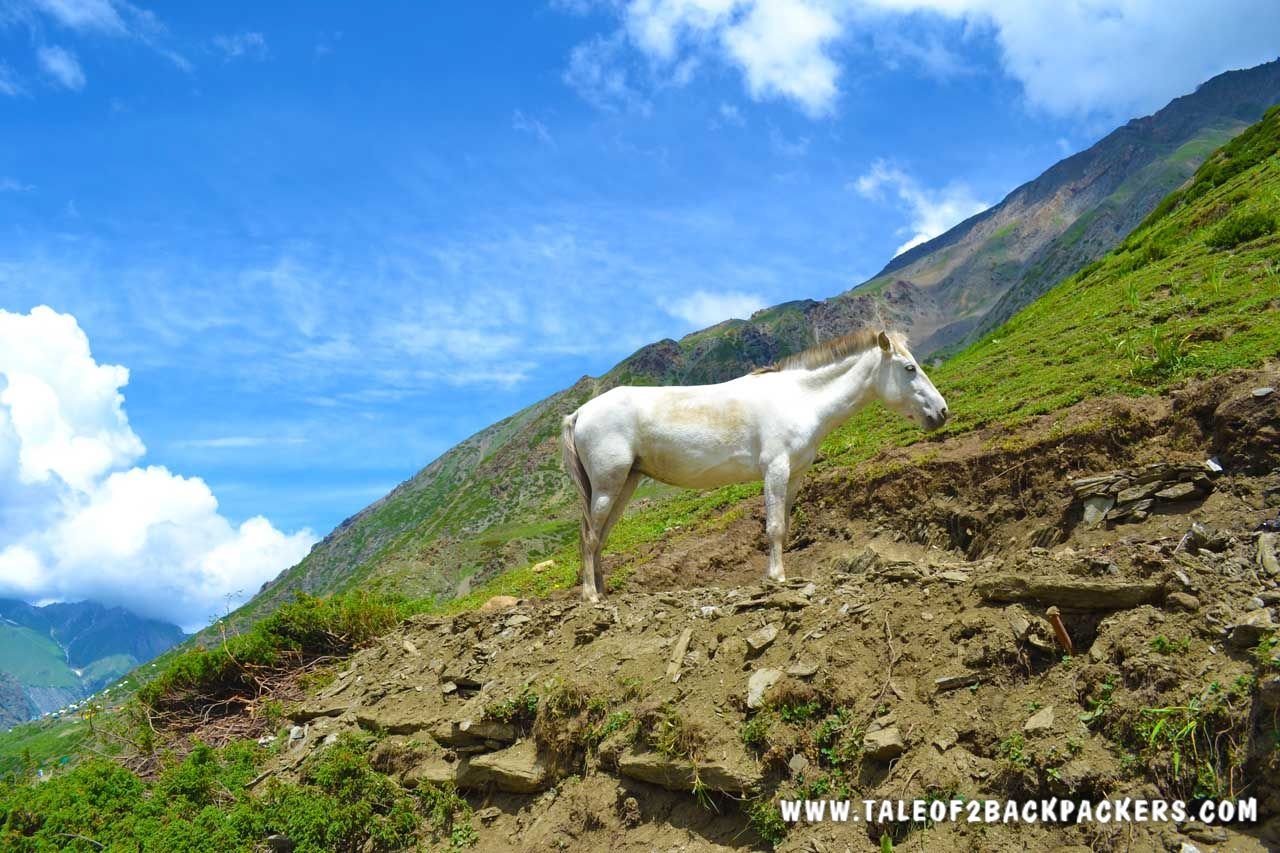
<point>904,388</point>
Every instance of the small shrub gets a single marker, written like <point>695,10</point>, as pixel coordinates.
<point>766,820</point>
<point>1241,228</point>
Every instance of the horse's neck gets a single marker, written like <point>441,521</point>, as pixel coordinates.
<point>841,389</point>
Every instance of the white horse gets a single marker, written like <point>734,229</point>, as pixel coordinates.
<point>766,425</point>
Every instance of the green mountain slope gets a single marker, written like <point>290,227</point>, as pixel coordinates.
<point>499,501</point>
<point>54,655</point>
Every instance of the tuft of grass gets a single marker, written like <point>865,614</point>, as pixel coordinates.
<point>1242,228</point>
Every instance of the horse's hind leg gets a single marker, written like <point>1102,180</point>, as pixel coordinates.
<point>619,504</point>
<point>606,489</point>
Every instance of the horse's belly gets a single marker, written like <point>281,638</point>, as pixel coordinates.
<point>698,471</point>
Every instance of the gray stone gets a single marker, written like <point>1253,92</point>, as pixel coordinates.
<point>955,577</point>
<point>1082,593</point>
<point>1183,601</point>
<point>762,638</point>
<point>802,669</point>
<point>680,774</point>
<point>280,843</point>
<point>1267,560</point>
<point>1251,630</point>
<point>1041,721</point>
<point>953,682</point>
<point>1137,493</point>
<point>517,770</point>
<point>883,744</point>
<point>798,764</point>
<point>759,683</point>
<point>297,733</point>
<point>1202,537</point>
<point>1178,492</point>
<point>1264,391</point>
<point>1269,692</point>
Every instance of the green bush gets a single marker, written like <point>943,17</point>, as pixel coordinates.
<point>1242,228</point>
<point>339,804</point>
<point>305,629</point>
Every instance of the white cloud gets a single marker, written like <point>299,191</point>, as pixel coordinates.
<point>1075,58</point>
<point>79,519</point>
<point>782,48</point>
<point>248,45</point>
<point>85,15</point>
<point>62,65</point>
<point>597,70</point>
<point>730,114</point>
<point>703,308</point>
<point>779,46</point>
<point>931,212</point>
<point>9,84</point>
<point>531,125</point>
<point>10,185</point>
<point>239,442</point>
<point>1121,57</point>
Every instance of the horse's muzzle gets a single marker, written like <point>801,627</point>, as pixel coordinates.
<point>936,419</point>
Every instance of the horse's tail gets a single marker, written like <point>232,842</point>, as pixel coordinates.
<point>577,473</point>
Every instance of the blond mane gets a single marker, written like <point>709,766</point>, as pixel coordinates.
<point>836,349</point>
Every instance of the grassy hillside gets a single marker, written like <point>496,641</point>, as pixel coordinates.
<point>33,658</point>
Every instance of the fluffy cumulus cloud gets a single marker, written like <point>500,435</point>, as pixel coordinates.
<point>931,212</point>
<point>1073,58</point>
<point>703,308</point>
<point>79,518</point>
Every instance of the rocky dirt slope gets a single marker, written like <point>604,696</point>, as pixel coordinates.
<point>912,654</point>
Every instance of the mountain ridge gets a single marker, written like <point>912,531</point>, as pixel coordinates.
<point>55,655</point>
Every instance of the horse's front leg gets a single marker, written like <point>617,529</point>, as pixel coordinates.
<point>793,488</point>
<point>776,480</point>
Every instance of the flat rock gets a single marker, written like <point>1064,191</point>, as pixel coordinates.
<point>1269,692</point>
<point>1041,721</point>
<point>954,682</point>
<point>883,744</point>
<point>758,685</point>
<point>470,732</point>
<point>1264,391</point>
<point>1267,560</point>
<point>762,638</point>
<point>1081,593</point>
<point>803,669</point>
<point>680,774</point>
<point>499,602</point>
<point>1183,601</point>
<point>517,769</point>
<point>1251,630</point>
<point>1178,492</point>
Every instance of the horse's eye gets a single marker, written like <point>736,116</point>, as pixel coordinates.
<point>911,368</point>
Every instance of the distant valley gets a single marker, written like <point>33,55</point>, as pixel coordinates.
<point>56,655</point>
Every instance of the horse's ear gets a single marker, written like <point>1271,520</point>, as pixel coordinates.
<point>885,343</point>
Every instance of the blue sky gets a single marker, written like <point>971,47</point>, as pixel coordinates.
<point>329,242</point>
